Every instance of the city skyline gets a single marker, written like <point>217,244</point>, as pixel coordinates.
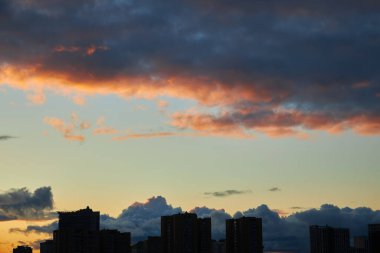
<point>182,232</point>
<point>280,233</point>
<point>212,107</point>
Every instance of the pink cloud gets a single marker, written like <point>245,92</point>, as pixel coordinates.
<point>71,130</point>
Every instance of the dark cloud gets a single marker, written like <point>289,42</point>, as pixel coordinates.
<point>274,189</point>
<point>47,229</point>
<point>218,218</point>
<point>142,219</point>
<point>297,208</point>
<point>23,204</point>
<point>222,194</point>
<point>298,65</point>
<point>6,137</point>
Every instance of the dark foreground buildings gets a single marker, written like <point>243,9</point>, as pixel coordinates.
<point>325,239</point>
<point>151,245</point>
<point>113,241</point>
<point>47,247</point>
<point>23,249</point>
<point>185,233</point>
<point>374,238</point>
<point>78,232</point>
<point>244,235</point>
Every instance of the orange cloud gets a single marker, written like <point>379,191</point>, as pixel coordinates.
<point>206,91</point>
<point>79,100</point>
<point>70,49</point>
<point>202,89</point>
<point>37,97</point>
<point>277,124</point>
<point>103,129</point>
<point>92,49</point>
<point>144,135</point>
<point>162,104</point>
<point>207,125</point>
<point>89,51</point>
<point>72,130</point>
<point>69,130</point>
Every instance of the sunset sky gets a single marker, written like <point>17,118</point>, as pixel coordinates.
<point>262,107</point>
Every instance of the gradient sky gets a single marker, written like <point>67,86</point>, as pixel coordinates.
<point>224,104</point>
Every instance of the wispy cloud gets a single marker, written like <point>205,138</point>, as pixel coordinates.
<point>297,208</point>
<point>222,194</point>
<point>72,130</point>
<point>46,229</point>
<point>274,189</point>
<point>144,135</point>
<point>6,137</point>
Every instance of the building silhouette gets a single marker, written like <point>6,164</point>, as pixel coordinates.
<point>152,244</point>
<point>360,245</point>
<point>374,238</point>
<point>47,246</point>
<point>23,249</point>
<point>185,233</point>
<point>84,219</point>
<point>78,232</point>
<point>113,241</point>
<point>325,239</point>
<point>204,235</point>
<point>244,235</point>
<point>139,247</point>
<point>218,246</point>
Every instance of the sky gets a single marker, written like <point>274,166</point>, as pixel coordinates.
<point>222,108</point>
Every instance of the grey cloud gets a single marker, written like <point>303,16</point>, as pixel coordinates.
<point>297,208</point>
<point>142,219</point>
<point>218,218</point>
<point>23,204</point>
<point>47,229</point>
<point>221,194</point>
<point>6,137</point>
<point>274,189</point>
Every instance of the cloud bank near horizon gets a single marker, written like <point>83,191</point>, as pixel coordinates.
<point>280,233</point>
<point>21,204</point>
<point>280,69</point>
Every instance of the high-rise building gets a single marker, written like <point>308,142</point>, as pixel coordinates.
<point>113,241</point>
<point>152,244</point>
<point>23,249</point>
<point>185,233</point>
<point>244,235</point>
<point>47,246</point>
<point>139,248</point>
<point>204,235</point>
<point>360,245</point>
<point>218,246</point>
<point>374,238</point>
<point>84,219</point>
<point>78,232</point>
<point>325,239</point>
